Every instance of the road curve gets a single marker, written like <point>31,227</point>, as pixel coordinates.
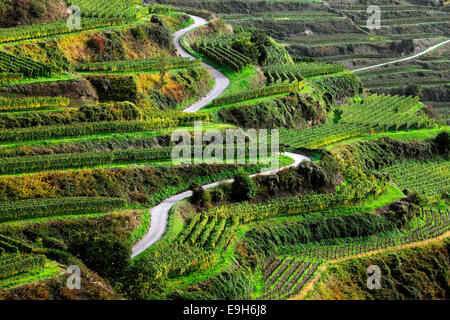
<point>221,81</point>
<point>160,213</point>
<point>405,59</point>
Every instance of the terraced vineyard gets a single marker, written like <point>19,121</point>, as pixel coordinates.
<point>25,66</point>
<point>321,135</point>
<point>428,178</point>
<point>374,114</point>
<point>91,131</point>
<point>56,28</point>
<point>386,112</point>
<point>258,93</point>
<point>285,277</point>
<point>223,55</point>
<point>8,105</point>
<point>26,209</point>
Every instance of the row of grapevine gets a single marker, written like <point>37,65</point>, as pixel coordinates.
<point>410,20</point>
<point>26,66</point>
<point>300,71</point>
<point>54,28</point>
<point>141,65</point>
<point>257,93</point>
<point>178,259</point>
<point>429,178</point>
<point>13,264</point>
<point>181,117</point>
<point>8,244</point>
<point>223,55</point>
<point>435,223</point>
<point>17,104</point>
<point>110,8</point>
<point>37,208</point>
<point>288,278</point>
<point>7,77</point>
<point>315,137</point>
<point>386,112</point>
<point>210,231</point>
<point>419,79</point>
<point>81,129</point>
<point>77,160</point>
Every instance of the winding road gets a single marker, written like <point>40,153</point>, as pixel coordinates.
<point>160,213</point>
<point>221,81</point>
<point>405,59</point>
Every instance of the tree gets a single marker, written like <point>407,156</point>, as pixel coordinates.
<point>243,187</point>
<point>200,196</point>
<point>442,142</point>
<point>107,255</point>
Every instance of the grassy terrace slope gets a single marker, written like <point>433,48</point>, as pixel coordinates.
<point>87,116</point>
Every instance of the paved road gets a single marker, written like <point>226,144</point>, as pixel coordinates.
<point>160,213</point>
<point>405,59</point>
<point>222,82</point>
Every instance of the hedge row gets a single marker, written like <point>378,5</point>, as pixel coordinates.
<point>8,77</point>
<point>47,132</point>
<point>32,103</point>
<point>74,160</point>
<point>37,208</point>
<point>141,65</point>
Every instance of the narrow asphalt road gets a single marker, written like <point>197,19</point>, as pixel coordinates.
<point>221,81</point>
<point>160,213</point>
<point>405,59</point>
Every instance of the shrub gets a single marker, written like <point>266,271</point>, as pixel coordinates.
<point>96,43</point>
<point>200,196</point>
<point>243,187</point>
<point>160,34</point>
<point>106,254</point>
<point>138,33</point>
<point>442,142</point>
<point>217,195</point>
